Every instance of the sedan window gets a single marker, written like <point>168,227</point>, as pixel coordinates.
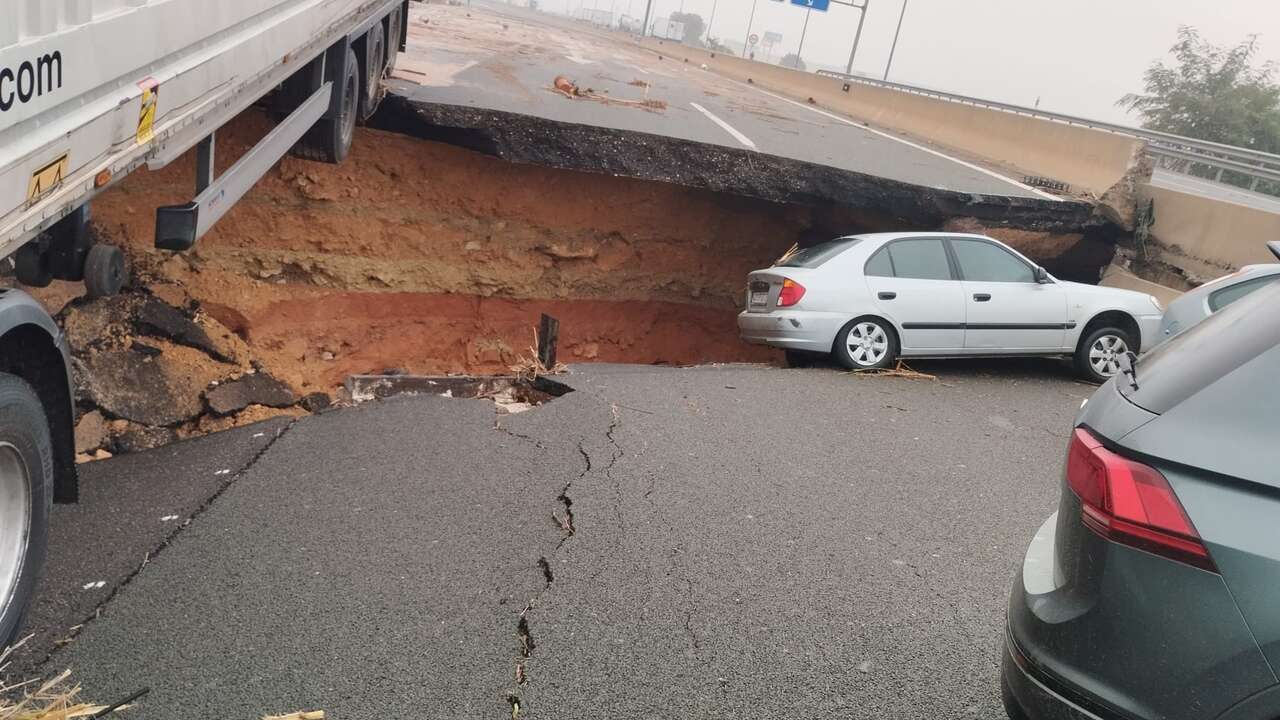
<point>880,265</point>
<point>1228,295</point>
<point>920,258</point>
<point>816,255</point>
<point>984,262</point>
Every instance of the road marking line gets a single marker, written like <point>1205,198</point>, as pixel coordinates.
<point>725,126</point>
<point>917,146</point>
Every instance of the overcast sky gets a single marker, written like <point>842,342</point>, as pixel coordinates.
<point>1078,56</point>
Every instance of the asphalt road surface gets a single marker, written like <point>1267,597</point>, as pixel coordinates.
<point>747,542</point>
<point>1218,191</point>
<point>505,58</point>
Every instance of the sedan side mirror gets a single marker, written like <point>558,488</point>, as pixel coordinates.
<point>1042,276</point>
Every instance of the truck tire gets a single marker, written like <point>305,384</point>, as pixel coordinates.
<point>375,63</point>
<point>329,140</point>
<point>104,271</point>
<point>32,266</point>
<point>26,497</point>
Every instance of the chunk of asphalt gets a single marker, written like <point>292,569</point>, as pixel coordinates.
<point>156,317</point>
<point>256,389</point>
<point>131,386</point>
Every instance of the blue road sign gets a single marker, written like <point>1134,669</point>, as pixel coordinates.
<point>819,5</point>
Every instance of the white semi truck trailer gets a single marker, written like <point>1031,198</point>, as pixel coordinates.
<point>90,90</point>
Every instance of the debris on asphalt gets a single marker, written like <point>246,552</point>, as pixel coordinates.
<point>54,699</point>
<point>304,715</point>
<point>257,389</point>
<point>571,90</point>
<point>901,370</point>
<point>510,394</point>
<point>149,372</point>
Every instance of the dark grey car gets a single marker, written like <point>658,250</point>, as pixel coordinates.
<point>1154,591</point>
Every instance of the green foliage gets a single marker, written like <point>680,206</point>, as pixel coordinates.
<point>1219,94</point>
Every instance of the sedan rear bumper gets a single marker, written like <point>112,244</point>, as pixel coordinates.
<point>808,331</point>
<point>1028,694</point>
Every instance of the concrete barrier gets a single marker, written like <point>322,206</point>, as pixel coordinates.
<point>1117,277</point>
<point>1087,159</point>
<point>1216,232</point>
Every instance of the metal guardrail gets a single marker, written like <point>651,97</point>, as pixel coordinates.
<point>1255,164</point>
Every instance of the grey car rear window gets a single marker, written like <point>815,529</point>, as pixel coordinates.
<point>1213,349</point>
<point>815,255</point>
<point>1228,295</point>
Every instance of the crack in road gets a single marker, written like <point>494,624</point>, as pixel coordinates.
<point>169,540</point>
<point>565,523</point>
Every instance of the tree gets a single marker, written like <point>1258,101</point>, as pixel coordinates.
<point>792,60</point>
<point>1212,93</point>
<point>693,27</point>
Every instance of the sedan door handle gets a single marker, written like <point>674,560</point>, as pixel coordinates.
<point>982,297</point>
<point>887,295</point>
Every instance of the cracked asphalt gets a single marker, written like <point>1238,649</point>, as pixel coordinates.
<point>707,542</point>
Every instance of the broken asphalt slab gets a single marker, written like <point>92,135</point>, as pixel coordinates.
<point>745,541</point>
<point>129,508</point>
<point>534,140</point>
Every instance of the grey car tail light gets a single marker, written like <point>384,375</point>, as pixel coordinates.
<point>1130,503</point>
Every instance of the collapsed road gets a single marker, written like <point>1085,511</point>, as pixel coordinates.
<point>486,197</point>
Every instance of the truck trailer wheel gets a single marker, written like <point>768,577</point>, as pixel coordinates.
<point>26,495</point>
<point>31,265</point>
<point>329,140</point>
<point>375,63</point>
<point>104,272</point>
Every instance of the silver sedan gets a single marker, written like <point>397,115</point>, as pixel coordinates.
<point>1196,305</point>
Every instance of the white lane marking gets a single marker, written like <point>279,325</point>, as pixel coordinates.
<point>725,126</point>
<point>579,60</point>
<point>917,146</point>
<point>637,68</point>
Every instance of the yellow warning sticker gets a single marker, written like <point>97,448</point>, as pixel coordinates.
<point>147,112</point>
<point>48,177</point>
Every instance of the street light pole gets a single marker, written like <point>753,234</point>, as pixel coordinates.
<point>800,51</point>
<point>746,40</point>
<point>712,20</point>
<point>862,16</point>
<point>896,33</point>
<point>644,29</point>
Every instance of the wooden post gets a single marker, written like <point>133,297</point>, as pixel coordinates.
<point>548,335</point>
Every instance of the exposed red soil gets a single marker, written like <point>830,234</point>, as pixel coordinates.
<point>435,259</point>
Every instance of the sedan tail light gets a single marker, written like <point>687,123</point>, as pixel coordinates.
<point>1131,503</point>
<point>791,293</point>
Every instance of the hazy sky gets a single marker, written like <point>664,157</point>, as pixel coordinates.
<point>1078,56</point>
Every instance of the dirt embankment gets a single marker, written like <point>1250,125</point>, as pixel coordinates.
<point>434,259</point>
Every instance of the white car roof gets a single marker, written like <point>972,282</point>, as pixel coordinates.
<point>887,236</point>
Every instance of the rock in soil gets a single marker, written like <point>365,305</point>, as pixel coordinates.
<point>256,389</point>
<point>91,432</point>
